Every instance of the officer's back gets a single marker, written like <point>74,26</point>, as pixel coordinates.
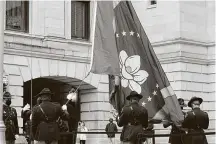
<point>133,118</point>
<point>195,121</point>
<point>133,114</point>
<point>44,119</point>
<point>52,110</point>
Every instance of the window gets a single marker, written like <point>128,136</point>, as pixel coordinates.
<point>17,15</point>
<point>153,2</point>
<point>80,12</point>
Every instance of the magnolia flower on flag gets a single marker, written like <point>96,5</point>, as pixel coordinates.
<point>131,75</point>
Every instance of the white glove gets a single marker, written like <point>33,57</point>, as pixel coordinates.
<point>69,96</point>
<point>35,142</point>
<point>16,136</point>
<point>72,97</point>
<point>30,117</point>
<point>26,107</point>
<point>64,107</point>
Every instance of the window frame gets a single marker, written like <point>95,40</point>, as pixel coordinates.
<point>86,25</point>
<point>151,2</point>
<point>26,20</point>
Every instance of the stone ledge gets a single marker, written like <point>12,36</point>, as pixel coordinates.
<point>82,42</point>
<point>47,56</point>
<point>70,41</point>
<point>30,37</point>
<point>62,53</point>
<point>183,41</point>
<point>186,57</point>
<point>174,71</point>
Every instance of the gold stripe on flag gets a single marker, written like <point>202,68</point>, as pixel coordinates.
<point>167,91</point>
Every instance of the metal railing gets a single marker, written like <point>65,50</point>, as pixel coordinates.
<point>149,135</point>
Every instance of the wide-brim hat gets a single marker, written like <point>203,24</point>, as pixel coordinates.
<point>194,99</point>
<point>181,102</point>
<point>134,94</point>
<point>111,119</point>
<point>6,95</point>
<point>45,91</point>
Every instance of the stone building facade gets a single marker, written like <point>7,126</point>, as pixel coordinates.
<point>52,47</point>
<point>183,36</point>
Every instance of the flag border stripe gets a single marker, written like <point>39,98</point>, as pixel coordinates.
<point>167,91</point>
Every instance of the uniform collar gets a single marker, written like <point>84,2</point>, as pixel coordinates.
<point>134,102</point>
<point>45,102</point>
<point>196,108</point>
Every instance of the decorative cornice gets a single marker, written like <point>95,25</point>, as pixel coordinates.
<point>40,49</point>
<point>23,35</point>
<point>88,43</point>
<point>183,41</point>
<point>44,39</point>
<point>70,41</point>
<point>186,57</point>
<point>173,57</point>
<point>46,55</point>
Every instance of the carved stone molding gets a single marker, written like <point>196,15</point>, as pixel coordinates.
<point>80,51</point>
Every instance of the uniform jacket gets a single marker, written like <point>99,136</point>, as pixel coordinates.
<point>133,118</point>
<point>10,114</point>
<point>111,127</point>
<point>176,130</point>
<point>195,121</point>
<point>27,124</point>
<point>53,112</point>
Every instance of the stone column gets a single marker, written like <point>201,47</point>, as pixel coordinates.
<point>2,127</point>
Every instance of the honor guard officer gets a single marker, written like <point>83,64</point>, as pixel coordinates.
<point>133,118</point>
<point>195,121</point>
<point>26,114</point>
<point>175,129</point>
<point>10,120</point>
<point>45,128</point>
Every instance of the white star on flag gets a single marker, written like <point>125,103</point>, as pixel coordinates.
<point>138,35</point>
<point>117,35</point>
<point>143,103</point>
<point>149,98</point>
<point>154,93</point>
<point>132,33</point>
<point>124,33</point>
<point>157,86</point>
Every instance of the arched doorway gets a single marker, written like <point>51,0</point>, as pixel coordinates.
<point>60,90</point>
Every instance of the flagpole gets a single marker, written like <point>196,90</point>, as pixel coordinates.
<point>2,127</point>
